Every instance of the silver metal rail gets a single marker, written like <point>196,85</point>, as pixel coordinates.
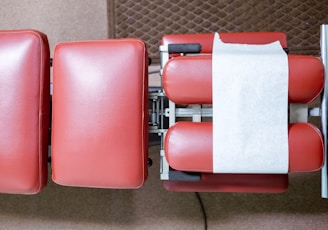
<point>324,57</point>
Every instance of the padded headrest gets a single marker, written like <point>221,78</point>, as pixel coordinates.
<point>188,79</point>
<point>189,147</point>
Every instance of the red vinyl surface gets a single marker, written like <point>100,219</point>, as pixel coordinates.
<point>246,183</point>
<point>24,111</point>
<point>206,40</point>
<point>100,114</point>
<point>188,79</point>
<point>188,147</point>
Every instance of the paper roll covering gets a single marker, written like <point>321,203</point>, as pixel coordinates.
<point>250,108</point>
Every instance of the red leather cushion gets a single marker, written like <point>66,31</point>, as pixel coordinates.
<point>188,79</point>
<point>24,111</point>
<point>260,183</point>
<point>206,40</point>
<point>188,147</point>
<point>100,114</point>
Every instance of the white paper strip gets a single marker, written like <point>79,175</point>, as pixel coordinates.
<point>250,108</point>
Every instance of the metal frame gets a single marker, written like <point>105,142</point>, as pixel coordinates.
<point>324,104</point>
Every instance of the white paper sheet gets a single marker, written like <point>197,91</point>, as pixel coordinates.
<point>250,108</point>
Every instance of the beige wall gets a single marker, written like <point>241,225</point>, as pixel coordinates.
<point>61,20</point>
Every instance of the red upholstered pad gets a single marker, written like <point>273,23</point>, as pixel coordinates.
<point>188,147</point>
<point>24,111</point>
<point>100,114</point>
<point>188,79</point>
<point>260,183</point>
<point>206,40</point>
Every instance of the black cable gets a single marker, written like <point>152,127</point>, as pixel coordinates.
<point>203,209</point>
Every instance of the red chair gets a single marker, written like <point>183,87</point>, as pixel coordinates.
<point>187,80</point>
<point>24,111</point>
<point>100,114</point>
